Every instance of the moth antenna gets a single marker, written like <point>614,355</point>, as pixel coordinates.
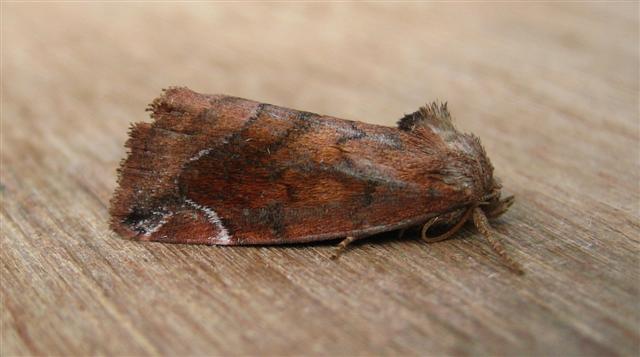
<point>342,246</point>
<point>482,224</point>
<point>446,234</point>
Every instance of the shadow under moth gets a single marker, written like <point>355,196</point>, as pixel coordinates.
<point>221,170</point>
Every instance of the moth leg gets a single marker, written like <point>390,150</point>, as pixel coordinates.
<point>401,232</point>
<point>501,207</point>
<point>482,224</point>
<point>342,246</point>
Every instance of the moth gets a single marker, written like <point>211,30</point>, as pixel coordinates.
<point>221,170</point>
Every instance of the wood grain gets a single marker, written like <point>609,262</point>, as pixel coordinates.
<point>552,91</point>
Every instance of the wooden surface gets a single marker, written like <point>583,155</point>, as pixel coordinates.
<point>552,91</point>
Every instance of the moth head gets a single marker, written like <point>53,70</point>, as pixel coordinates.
<point>470,168</point>
<point>486,188</point>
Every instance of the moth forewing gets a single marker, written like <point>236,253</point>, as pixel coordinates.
<point>215,169</point>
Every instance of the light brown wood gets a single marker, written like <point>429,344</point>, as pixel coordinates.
<point>552,91</point>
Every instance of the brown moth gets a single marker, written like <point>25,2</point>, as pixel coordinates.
<point>215,169</point>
